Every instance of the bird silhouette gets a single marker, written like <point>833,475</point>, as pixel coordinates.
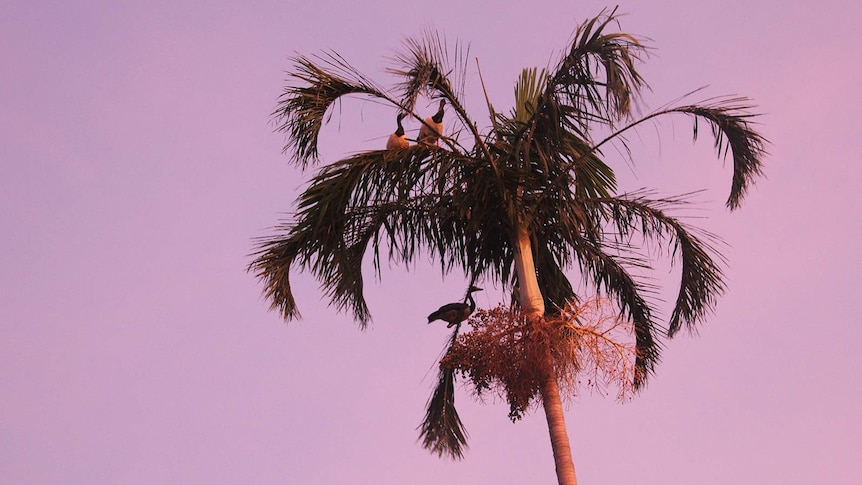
<point>398,139</point>
<point>432,129</point>
<point>455,313</point>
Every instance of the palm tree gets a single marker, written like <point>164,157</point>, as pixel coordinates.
<point>518,203</point>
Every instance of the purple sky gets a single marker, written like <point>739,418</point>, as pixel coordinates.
<point>138,162</point>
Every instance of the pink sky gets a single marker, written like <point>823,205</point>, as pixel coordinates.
<point>138,162</point>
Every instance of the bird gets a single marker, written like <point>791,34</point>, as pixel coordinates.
<point>432,129</point>
<point>455,313</point>
<point>398,139</point>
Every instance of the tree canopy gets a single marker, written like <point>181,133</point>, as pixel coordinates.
<point>527,199</point>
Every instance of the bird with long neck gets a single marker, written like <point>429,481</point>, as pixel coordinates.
<point>398,139</point>
<point>432,129</point>
<point>455,313</point>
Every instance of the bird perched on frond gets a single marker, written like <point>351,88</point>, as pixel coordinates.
<point>455,313</point>
<point>432,129</point>
<point>398,139</point>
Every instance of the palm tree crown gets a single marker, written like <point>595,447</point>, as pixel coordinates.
<point>534,186</point>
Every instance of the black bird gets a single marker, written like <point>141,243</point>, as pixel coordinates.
<point>455,313</point>
<point>398,139</point>
<point>432,129</point>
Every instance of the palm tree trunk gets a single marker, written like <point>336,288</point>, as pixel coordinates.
<point>557,428</point>
<point>533,304</point>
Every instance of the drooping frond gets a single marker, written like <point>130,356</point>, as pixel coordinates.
<point>730,121</point>
<point>302,108</point>
<point>442,431</point>
<point>396,198</point>
<point>608,273</point>
<point>731,130</point>
<point>701,280</point>
<point>273,260</point>
<point>555,286</point>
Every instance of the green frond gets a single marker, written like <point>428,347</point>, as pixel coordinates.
<point>442,431</point>
<point>596,82</point>
<point>609,273</point>
<point>593,177</point>
<point>701,280</point>
<point>530,86</point>
<point>396,199</point>
<point>429,67</point>
<point>338,268</point>
<point>730,121</point>
<point>272,263</point>
<point>303,106</point>
<point>597,79</point>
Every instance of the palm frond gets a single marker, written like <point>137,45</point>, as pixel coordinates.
<point>701,280</point>
<point>593,177</point>
<point>597,78</point>
<point>427,68</point>
<point>555,286</point>
<point>273,260</point>
<point>492,113</point>
<point>596,81</point>
<point>317,84</point>
<point>731,129</point>
<point>528,89</point>
<point>609,273</point>
<point>731,123</point>
<point>442,431</point>
<point>366,200</point>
